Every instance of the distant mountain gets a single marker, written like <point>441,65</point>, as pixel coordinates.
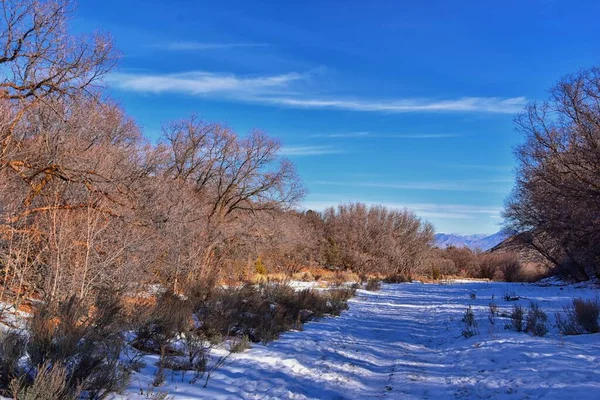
<point>482,242</point>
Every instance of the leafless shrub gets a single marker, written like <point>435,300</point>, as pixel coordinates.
<point>397,278</point>
<point>170,316</point>
<point>373,285</point>
<point>510,268</point>
<point>51,382</point>
<point>436,273</point>
<point>12,349</point>
<point>580,317</point>
<point>376,239</point>
<point>262,313</point>
<point>493,312</point>
<point>536,322</point>
<point>241,344</point>
<point>470,323</point>
<point>517,317</point>
<point>87,340</point>
<point>337,300</point>
<point>510,295</point>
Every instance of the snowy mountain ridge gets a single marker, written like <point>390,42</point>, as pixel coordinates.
<point>480,241</point>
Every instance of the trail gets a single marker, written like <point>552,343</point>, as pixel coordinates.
<point>405,342</point>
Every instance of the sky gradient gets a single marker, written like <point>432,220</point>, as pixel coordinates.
<point>402,103</point>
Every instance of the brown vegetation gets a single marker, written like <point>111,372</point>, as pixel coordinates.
<point>465,263</point>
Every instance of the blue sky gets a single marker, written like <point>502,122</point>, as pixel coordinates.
<point>403,103</point>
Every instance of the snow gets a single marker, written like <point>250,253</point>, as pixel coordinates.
<point>405,342</point>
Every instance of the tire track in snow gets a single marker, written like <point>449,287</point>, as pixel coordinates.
<point>404,342</point>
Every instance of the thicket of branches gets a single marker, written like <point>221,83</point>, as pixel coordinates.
<point>556,202</point>
<point>86,202</point>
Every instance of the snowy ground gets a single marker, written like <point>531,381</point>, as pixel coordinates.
<point>405,342</point>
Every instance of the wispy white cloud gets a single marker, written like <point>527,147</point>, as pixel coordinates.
<point>423,136</point>
<point>484,186</point>
<point>425,210</point>
<point>286,90</point>
<point>308,150</point>
<point>203,83</point>
<point>483,167</point>
<point>342,135</point>
<point>348,135</point>
<point>463,104</point>
<point>197,46</point>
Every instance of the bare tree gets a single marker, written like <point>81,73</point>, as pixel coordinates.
<point>215,178</point>
<point>40,59</point>
<point>557,196</point>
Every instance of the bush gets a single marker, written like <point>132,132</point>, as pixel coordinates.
<point>337,300</point>
<point>397,278</point>
<point>493,307</point>
<point>511,269</point>
<point>498,266</point>
<point>240,344</point>
<point>486,266</point>
<point>516,319</point>
<point>510,296</point>
<point>587,313</point>
<point>581,316</point>
<point>50,383</point>
<point>263,312</point>
<point>170,316</point>
<point>373,285</point>
<point>12,349</point>
<point>76,343</point>
<point>470,328</point>
<point>536,323</point>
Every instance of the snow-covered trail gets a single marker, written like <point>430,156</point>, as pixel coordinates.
<point>404,342</point>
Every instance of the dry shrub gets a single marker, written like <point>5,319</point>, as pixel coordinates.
<point>455,260</point>
<point>240,344</point>
<point>517,316</point>
<point>510,296</point>
<point>85,341</point>
<point>436,273</point>
<point>536,322</point>
<point>494,266</point>
<point>487,266</point>
<point>51,382</point>
<point>265,311</point>
<point>468,319</point>
<point>12,349</point>
<point>440,263</point>
<point>580,317</point>
<point>373,285</point>
<point>397,278</point>
<point>510,268</point>
<point>170,316</point>
<point>337,300</point>
<point>493,308</point>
